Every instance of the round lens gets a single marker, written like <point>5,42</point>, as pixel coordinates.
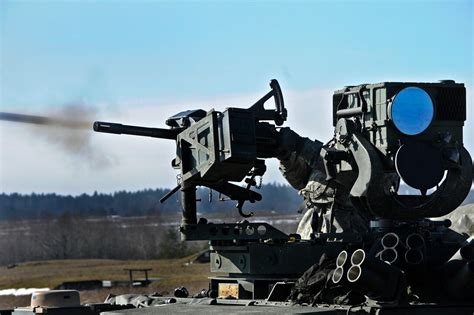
<point>412,110</point>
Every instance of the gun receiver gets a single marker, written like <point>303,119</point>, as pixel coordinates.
<point>215,148</point>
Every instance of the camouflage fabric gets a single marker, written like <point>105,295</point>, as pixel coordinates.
<point>462,219</point>
<point>314,287</point>
<point>324,200</point>
<point>318,218</point>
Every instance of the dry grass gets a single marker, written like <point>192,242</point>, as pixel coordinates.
<point>173,273</point>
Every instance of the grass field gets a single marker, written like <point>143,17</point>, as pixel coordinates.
<point>49,274</point>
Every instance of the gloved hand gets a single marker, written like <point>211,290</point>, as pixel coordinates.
<point>288,142</point>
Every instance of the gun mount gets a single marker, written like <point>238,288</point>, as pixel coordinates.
<point>215,148</point>
<point>384,133</point>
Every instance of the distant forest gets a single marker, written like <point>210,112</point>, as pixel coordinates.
<point>277,198</point>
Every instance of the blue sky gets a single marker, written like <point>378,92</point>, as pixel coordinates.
<point>53,51</point>
<point>142,60</point>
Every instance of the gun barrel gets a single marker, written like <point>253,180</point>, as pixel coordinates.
<point>119,129</point>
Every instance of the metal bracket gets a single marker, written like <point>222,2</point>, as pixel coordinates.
<point>228,232</point>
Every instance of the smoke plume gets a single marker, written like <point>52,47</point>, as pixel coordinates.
<point>69,129</point>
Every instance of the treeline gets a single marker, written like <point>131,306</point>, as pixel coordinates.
<point>277,198</point>
<point>78,237</point>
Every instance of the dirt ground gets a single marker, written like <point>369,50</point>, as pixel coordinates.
<point>49,274</point>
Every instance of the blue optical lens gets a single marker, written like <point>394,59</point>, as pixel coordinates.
<point>412,110</point>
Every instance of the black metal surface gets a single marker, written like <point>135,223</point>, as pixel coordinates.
<point>419,164</point>
<point>186,118</point>
<point>455,100</point>
<point>242,231</point>
<point>108,127</point>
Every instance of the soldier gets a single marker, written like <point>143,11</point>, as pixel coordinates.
<point>327,201</point>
